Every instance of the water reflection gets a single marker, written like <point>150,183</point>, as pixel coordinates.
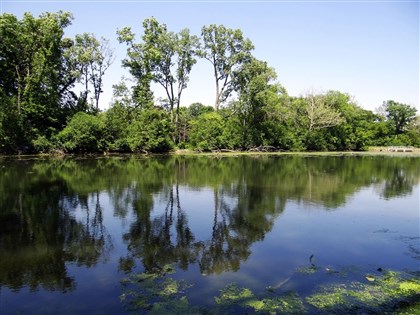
<point>51,211</point>
<point>39,232</point>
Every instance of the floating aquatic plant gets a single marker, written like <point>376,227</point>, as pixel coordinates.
<point>233,296</point>
<point>382,294</point>
<point>385,292</point>
<point>307,270</point>
<point>149,291</point>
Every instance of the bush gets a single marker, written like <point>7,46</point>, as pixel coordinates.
<point>84,133</point>
<point>42,145</point>
<point>207,132</point>
<point>117,120</point>
<point>150,132</point>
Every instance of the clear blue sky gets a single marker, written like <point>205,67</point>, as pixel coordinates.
<point>368,49</point>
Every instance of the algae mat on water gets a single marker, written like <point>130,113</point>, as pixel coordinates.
<point>389,292</point>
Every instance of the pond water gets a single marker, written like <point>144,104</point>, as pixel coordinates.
<point>115,235</point>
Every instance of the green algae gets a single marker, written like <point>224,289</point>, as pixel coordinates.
<point>391,292</point>
<point>386,293</point>
<point>150,290</point>
<point>287,303</point>
<point>307,270</point>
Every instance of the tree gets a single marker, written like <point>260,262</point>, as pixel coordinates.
<point>399,115</point>
<point>225,49</point>
<point>119,117</point>
<point>33,71</point>
<point>139,64</point>
<point>186,116</point>
<point>186,49</point>
<point>150,132</point>
<point>173,56</point>
<point>163,57</point>
<point>357,129</point>
<point>207,132</point>
<point>258,96</point>
<point>84,133</point>
<point>317,116</point>
<point>196,109</point>
<point>159,48</point>
<point>10,127</point>
<point>122,94</point>
<point>319,113</point>
<point>93,57</point>
<point>413,132</point>
<point>117,121</point>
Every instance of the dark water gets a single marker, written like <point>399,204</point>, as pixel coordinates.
<point>72,229</point>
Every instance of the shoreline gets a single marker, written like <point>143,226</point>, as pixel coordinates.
<point>374,151</point>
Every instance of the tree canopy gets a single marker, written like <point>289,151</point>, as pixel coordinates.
<point>51,85</point>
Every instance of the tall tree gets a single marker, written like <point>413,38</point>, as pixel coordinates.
<point>399,115</point>
<point>167,57</point>
<point>258,96</point>
<point>93,57</point>
<point>225,49</point>
<point>172,57</point>
<point>186,49</point>
<point>139,64</point>
<point>158,47</point>
<point>32,67</point>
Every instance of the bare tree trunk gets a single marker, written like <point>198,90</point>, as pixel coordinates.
<point>217,101</point>
<point>177,123</point>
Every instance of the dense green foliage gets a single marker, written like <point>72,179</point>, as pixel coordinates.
<point>40,110</point>
<point>83,133</point>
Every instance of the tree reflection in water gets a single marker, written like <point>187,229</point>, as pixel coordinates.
<point>39,231</point>
<point>168,239</point>
<point>51,211</point>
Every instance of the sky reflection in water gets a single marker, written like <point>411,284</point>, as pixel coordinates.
<point>71,229</point>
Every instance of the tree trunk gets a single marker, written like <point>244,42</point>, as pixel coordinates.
<point>18,91</point>
<point>177,122</point>
<point>217,101</point>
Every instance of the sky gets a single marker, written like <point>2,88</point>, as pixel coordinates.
<point>368,49</point>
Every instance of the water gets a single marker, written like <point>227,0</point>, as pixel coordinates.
<point>72,229</point>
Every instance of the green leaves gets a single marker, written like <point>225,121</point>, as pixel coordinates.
<point>225,49</point>
<point>163,57</point>
<point>31,63</point>
<point>92,57</point>
<point>258,99</point>
<point>84,133</point>
<point>399,115</point>
<point>40,70</point>
<point>150,132</point>
<point>207,132</point>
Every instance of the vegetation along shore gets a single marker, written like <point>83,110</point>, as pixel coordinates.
<point>51,85</point>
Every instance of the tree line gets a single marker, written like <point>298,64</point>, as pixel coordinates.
<point>50,86</point>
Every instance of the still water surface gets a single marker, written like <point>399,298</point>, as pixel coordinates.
<point>72,229</point>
